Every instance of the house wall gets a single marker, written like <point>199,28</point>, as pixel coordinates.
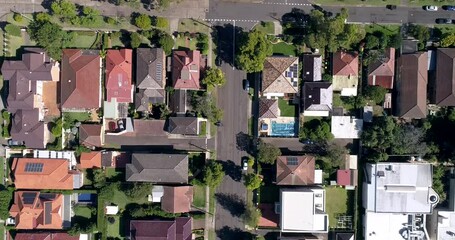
<point>316,113</point>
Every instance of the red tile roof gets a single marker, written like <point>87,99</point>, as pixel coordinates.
<point>177,199</point>
<point>80,79</point>
<point>45,236</point>
<point>268,216</point>
<point>344,177</point>
<point>50,173</point>
<point>178,229</point>
<point>295,170</point>
<point>186,68</point>
<point>345,64</point>
<point>382,71</point>
<point>35,210</point>
<point>118,75</point>
<point>90,135</point>
<point>90,160</point>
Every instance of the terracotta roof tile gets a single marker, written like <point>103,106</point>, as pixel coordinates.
<point>345,64</point>
<point>274,75</point>
<point>381,72</point>
<point>186,69</point>
<point>295,170</point>
<point>445,77</point>
<point>90,135</point>
<point>118,75</point>
<point>268,108</point>
<point>90,160</point>
<point>344,177</point>
<point>45,236</point>
<point>177,199</point>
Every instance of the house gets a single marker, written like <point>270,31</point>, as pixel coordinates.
<point>35,210</point>
<point>268,108</point>
<point>297,170</point>
<point>42,173</point>
<point>183,125</point>
<point>90,160</point>
<point>150,128</point>
<point>158,168</point>
<point>280,77</point>
<point>178,101</point>
<point>444,93</point>
<point>111,210</point>
<point>411,85</point>
<point>379,226</point>
<point>316,99</point>
<point>150,77</point>
<point>115,110</point>
<point>118,75</point>
<point>368,114</point>
<point>91,135</point>
<point>345,71</point>
<point>346,127</point>
<point>303,210</point>
<point>46,236</point>
<point>443,218</point>
<point>178,229</point>
<point>344,236</point>
<point>382,71</point>
<point>186,69</point>
<point>32,96</point>
<point>177,199</point>
<point>347,178</point>
<point>81,79</point>
<point>312,68</point>
<point>409,184</point>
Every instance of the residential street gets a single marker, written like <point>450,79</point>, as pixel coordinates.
<point>231,193</point>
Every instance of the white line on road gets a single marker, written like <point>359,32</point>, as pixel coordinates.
<point>230,20</point>
<point>288,4</point>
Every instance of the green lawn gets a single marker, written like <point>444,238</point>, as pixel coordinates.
<point>121,200</point>
<point>87,181</point>
<point>26,19</point>
<point>203,130</point>
<point>357,2</point>
<point>266,27</point>
<point>199,196</point>
<point>269,193</point>
<point>250,126</point>
<point>184,42</point>
<point>338,102</point>
<point>113,172</point>
<point>283,48</point>
<point>430,2</point>
<point>113,229</point>
<point>78,116</point>
<point>212,200</point>
<point>387,29</point>
<point>83,40</point>
<point>2,171</point>
<point>286,109</point>
<point>83,211</point>
<point>336,203</point>
<point>193,26</point>
<point>13,43</point>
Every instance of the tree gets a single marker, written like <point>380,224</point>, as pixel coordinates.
<point>254,48</point>
<point>267,153</point>
<point>57,128</point>
<point>108,191</point>
<point>213,77</point>
<point>143,21</point>
<point>161,22</point>
<point>409,139</point>
<point>50,36</point>
<point>213,174</point>
<point>333,158</point>
<point>395,40</point>
<point>18,17</point>
<point>110,20</point>
<point>375,93</point>
<point>252,181</point>
<point>6,198</point>
<point>80,149</point>
<point>316,130</point>
<point>439,172</point>
<point>135,40</point>
<point>42,17</point>
<point>166,42</point>
<point>137,190</point>
<point>371,41</point>
<point>352,34</point>
<point>420,32</point>
<point>65,9</point>
<point>379,137</point>
<point>13,30</point>
<point>251,216</point>
<point>448,40</point>
<point>77,228</point>
<point>99,178</point>
<point>205,105</point>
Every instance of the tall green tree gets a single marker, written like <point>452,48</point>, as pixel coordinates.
<point>143,21</point>
<point>267,153</point>
<point>65,9</point>
<point>448,40</point>
<point>316,130</point>
<point>135,39</point>
<point>137,190</point>
<point>254,48</point>
<point>252,181</point>
<point>166,42</point>
<point>213,77</point>
<point>99,178</point>
<point>213,174</point>
<point>375,93</point>
<point>251,216</point>
<point>50,36</point>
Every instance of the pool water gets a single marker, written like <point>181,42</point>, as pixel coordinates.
<point>283,129</point>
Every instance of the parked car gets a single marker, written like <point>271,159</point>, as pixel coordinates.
<point>391,7</point>
<point>219,124</point>
<point>218,61</point>
<point>431,8</point>
<point>245,163</point>
<point>11,142</point>
<point>449,8</point>
<point>120,124</point>
<point>443,21</point>
<point>246,85</point>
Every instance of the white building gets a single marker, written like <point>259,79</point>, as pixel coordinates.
<point>346,127</point>
<point>303,210</point>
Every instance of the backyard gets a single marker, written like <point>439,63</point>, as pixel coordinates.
<point>183,42</point>
<point>199,196</point>
<point>77,116</point>
<point>338,199</point>
<point>113,226</point>
<point>339,101</point>
<point>286,109</point>
<point>283,48</point>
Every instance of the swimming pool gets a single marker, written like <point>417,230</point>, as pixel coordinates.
<point>283,129</point>
<point>86,197</point>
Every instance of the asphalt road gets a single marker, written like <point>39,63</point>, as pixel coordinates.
<point>231,194</point>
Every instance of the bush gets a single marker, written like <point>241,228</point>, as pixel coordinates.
<point>166,42</point>
<point>110,21</point>
<point>143,21</point>
<point>135,40</point>
<point>6,198</point>
<point>251,216</point>
<point>13,30</point>
<point>137,190</point>
<point>161,22</point>
<point>18,17</point>
<point>111,220</point>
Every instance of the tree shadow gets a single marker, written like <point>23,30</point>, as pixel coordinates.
<point>236,233</point>
<point>243,141</point>
<point>226,37</point>
<point>232,170</point>
<point>232,203</point>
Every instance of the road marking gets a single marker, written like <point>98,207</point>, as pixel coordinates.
<point>230,20</point>
<point>288,4</point>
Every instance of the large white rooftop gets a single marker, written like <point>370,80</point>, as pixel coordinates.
<point>346,127</point>
<point>386,226</point>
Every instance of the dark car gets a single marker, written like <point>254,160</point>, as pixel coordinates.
<point>246,85</point>
<point>218,61</point>
<point>443,21</point>
<point>391,7</point>
<point>449,8</point>
<point>12,142</point>
<point>219,124</point>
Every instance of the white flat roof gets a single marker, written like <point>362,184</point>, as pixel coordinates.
<point>384,226</point>
<point>298,211</point>
<point>346,127</point>
<point>446,225</point>
<point>318,176</point>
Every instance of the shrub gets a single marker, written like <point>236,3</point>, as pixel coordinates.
<point>13,30</point>
<point>111,21</point>
<point>143,21</point>
<point>161,22</point>
<point>18,17</point>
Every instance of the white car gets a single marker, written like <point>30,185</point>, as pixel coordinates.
<point>431,8</point>
<point>245,164</point>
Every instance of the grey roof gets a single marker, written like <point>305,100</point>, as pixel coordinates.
<point>312,68</point>
<point>316,96</point>
<point>150,68</point>
<point>158,168</point>
<point>106,158</point>
<point>27,128</point>
<point>178,101</point>
<point>183,125</point>
<point>77,181</point>
<point>399,188</point>
<point>344,236</point>
<point>146,97</point>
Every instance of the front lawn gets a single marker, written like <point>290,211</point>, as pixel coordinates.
<point>286,109</point>
<point>337,200</point>
<point>283,48</point>
<point>203,129</point>
<point>385,28</point>
<point>113,229</point>
<point>185,43</point>
<point>199,196</point>
<point>83,40</point>
<point>193,26</point>
<point>266,27</point>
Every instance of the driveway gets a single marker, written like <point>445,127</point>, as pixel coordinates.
<point>159,144</point>
<point>234,101</point>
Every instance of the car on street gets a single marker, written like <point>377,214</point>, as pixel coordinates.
<point>245,163</point>
<point>218,124</point>
<point>391,7</point>
<point>218,61</point>
<point>431,8</point>
<point>444,21</point>
<point>246,85</point>
<point>449,8</point>
<point>12,142</point>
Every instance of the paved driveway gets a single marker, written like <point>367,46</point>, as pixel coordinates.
<point>159,144</point>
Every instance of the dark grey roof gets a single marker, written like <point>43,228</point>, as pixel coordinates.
<point>106,158</point>
<point>144,97</point>
<point>311,94</point>
<point>312,68</point>
<point>27,128</point>
<point>183,125</point>
<point>344,236</point>
<point>150,68</point>
<point>178,101</point>
<point>158,168</point>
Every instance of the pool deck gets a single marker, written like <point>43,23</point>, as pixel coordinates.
<point>279,120</point>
